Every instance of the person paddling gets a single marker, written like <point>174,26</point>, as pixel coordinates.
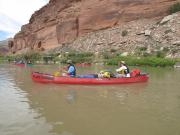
<point>123,70</point>
<point>71,70</point>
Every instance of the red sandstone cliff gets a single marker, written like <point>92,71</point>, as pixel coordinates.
<point>62,21</point>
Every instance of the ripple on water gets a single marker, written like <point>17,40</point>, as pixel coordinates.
<point>16,116</point>
<point>147,108</point>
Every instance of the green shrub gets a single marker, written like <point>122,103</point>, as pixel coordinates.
<point>88,54</point>
<point>106,55</point>
<point>174,8</point>
<point>1,59</point>
<point>160,54</point>
<point>33,56</point>
<point>113,50</point>
<point>141,51</point>
<point>78,57</point>
<point>166,49</point>
<point>142,48</point>
<point>124,33</point>
<point>146,54</point>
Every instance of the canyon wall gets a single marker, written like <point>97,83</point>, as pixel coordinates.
<point>62,21</point>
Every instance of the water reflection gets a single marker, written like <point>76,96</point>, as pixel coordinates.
<point>122,96</point>
<point>71,96</point>
<point>16,117</point>
<point>121,92</point>
<point>68,108</point>
<point>51,109</point>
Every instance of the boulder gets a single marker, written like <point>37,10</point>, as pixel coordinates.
<point>124,54</point>
<point>167,18</point>
<point>176,43</point>
<point>147,32</point>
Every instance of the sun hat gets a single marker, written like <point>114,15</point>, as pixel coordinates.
<point>123,62</point>
<point>69,61</point>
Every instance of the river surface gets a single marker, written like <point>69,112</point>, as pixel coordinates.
<point>29,108</point>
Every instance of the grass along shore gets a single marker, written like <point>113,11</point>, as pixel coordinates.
<point>142,61</point>
<point>105,58</point>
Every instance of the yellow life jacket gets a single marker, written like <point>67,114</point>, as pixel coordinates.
<point>121,72</point>
<point>105,74</point>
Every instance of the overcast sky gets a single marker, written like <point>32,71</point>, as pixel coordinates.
<point>15,13</point>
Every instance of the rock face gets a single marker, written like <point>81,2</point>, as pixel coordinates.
<point>62,21</point>
<point>4,47</point>
<point>142,37</point>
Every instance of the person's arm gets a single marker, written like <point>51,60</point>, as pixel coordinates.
<point>119,69</point>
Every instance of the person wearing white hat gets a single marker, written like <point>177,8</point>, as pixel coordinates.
<point>123,70</point>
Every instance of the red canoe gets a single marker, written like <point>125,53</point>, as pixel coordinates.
<point>47,78</point>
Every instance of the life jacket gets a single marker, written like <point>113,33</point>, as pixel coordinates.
<point>126,71</point>
<point>74,72</point>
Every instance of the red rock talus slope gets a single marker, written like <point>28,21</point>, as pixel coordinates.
<point>62,21</point>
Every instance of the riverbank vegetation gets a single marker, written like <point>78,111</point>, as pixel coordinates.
<point>1,59</point>
<point>77,57</point>
<point>141,61</point>
<point>5,59</point>
<point>53,58</point>
<point>140,58</point>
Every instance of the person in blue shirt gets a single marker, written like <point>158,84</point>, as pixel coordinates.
<point>71,69</point>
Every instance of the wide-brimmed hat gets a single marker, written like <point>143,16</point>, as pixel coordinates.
<point>123,62</point>
<point>69,62</point>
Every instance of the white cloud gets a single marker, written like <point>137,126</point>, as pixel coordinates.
<point>15,13</point>
<point>8,24</point>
